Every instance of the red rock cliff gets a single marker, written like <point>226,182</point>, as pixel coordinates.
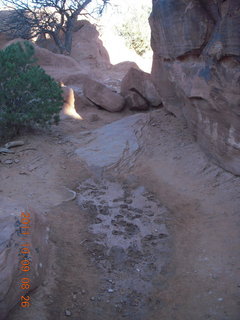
<point>196,68</point>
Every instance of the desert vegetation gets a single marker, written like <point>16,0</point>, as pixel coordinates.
<point>134,27</point>
<point>47,18</point>
<point>28,96</point>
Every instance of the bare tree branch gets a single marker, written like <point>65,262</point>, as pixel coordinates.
<point>56,18</point>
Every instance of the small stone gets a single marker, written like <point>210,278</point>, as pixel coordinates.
<point>94,117</point>
<point>13,144</point>
<point>16,160</point>
<point>83,291</point>
<point>110,290</point>
<point>163,232</point>
<point>68,313</point>
<point>5,150</point>
<point>23,172</point>
<point>8,161</point>
<point>92,298</point>
<point>74,297</point>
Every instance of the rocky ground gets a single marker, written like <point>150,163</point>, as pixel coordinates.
<point>135,221</point>
<point>154,233</point>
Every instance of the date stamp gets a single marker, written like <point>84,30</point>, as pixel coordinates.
<point>25,258</point>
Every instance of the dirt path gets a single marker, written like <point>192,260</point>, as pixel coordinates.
<point>157,241</point>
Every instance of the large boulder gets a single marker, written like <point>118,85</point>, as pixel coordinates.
<point>87,48</point>
<point>12,241</point>
<point>140,82</point>
<point>102,96</point>
<point>196,70</point>
<point>135,102</point>
<point>3,40</point>
<point>115,144</point>
<point>6,21</point>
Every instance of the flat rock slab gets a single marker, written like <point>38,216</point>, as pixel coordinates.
<point>114,143</point>
<point>129,242</point>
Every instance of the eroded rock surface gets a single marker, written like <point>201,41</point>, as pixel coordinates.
<point>114,144</point>
<point>141,84</point>
<point>196,69</point>
<point>130,239</point>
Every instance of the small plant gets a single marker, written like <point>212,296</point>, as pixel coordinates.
<point>28,96</point>
<point>134,28</point>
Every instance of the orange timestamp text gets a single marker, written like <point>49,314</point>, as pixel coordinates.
<point>25,260</point>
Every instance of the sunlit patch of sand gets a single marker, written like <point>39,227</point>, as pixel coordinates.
<point>69,106</point>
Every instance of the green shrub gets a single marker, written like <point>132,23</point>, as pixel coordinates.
<point>134,27</point>
<point>28,96</point>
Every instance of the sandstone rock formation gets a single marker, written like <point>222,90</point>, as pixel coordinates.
<point>135,102</point>
<point>114,144</point>
<point>11,242</point>
<point>87,48</point>
<point>140,82</point>
<point>4,38</point>
<point>196,69</point>
<point>102,96</point>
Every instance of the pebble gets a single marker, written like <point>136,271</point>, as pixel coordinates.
<point>23,172</point>
<point>16,160</point>
<point>9,161</point>
<point>163,230</point>
<point>13,144</point>
<point>92,298</point>
<point>5,150</point>
<point>110,290</point>
<point>94,117</point>
<point>74,297</point>
<point>68,313</point>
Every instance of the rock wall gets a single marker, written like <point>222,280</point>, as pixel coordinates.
<point>196,68</point>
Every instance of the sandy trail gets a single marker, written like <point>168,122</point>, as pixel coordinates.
<point>187,269</point>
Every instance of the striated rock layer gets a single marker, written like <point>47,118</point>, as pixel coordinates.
<point>196,69</point>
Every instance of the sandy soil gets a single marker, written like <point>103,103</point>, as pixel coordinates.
<point>156,241</point>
